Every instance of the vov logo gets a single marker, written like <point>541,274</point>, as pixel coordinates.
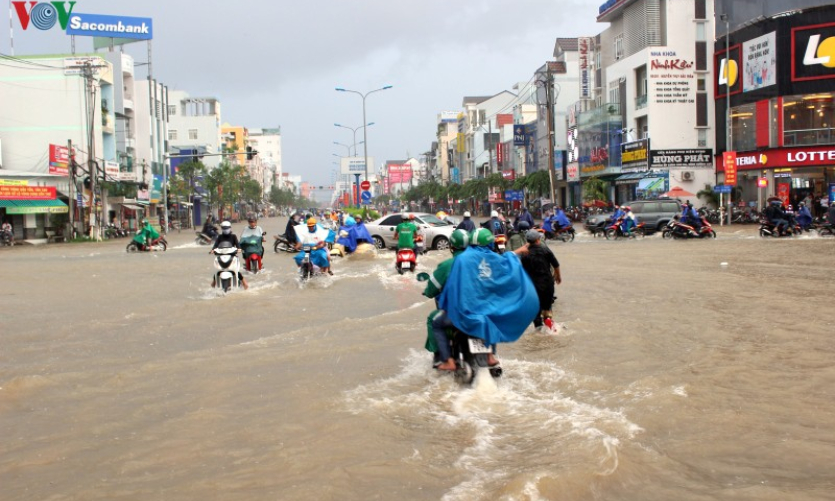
<point>43,15</point>
<point>813,52</point>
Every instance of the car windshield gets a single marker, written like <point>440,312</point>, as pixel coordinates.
<point>432,220</point>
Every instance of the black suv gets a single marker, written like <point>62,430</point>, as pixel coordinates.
<point>655,214</point>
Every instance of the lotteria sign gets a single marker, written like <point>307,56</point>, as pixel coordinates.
<point>783,157</point>
<point>95,25</point>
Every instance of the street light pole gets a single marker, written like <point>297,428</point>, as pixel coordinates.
<point>364,120</point>
<point>728,137</point>
<point>354,131</point>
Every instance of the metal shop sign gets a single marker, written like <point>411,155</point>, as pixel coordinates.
<point>61,209</point>
<point>633,156</point>
<point>27,192</point>
<point>96,25</point>
<point>681,158</point>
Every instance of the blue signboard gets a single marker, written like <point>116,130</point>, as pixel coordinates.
<point>519,135</point>
<point>831,192</point>
<point>96,25</point>
<point>365,196</point>
<point>455,175</point>
<point>514,195</point>
<point>722,188</point>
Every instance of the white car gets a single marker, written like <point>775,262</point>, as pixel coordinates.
<point>435,232</point>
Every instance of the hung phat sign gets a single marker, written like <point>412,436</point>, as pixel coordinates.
<point>96,25</point>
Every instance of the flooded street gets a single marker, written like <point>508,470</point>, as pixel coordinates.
<point>672,376</point>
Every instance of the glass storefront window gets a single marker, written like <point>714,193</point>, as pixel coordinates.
<point>808,119</point>
<point>744,127</point>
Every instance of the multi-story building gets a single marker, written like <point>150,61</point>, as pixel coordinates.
<point>46,103</point>
<point>775,63</point>
<point>194,124</point>
<point>650,128</point>
<point>445,150</point>
<point>235,140</point>
<point>479,132</point>
<point>267,142</point>
<point>151,117</point>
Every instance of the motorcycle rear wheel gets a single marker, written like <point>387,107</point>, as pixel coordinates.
<point>611,234</point>
<point>132,247</point>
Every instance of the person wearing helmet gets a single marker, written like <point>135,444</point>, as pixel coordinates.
<point>254,231</point>
<point>524,215</point>
<point>289,231</point>
<point>406,232</point>
<point>316,238</point>
<point>560,220</point>
<point>226,235</point>
<point>629,222</point>
<point>776,216</point>
<point>495,224</point>
<point>804,216</point>
<point>544,270</point>
<point>517,238</point>
<point>146,236</point>
<point>437,322</point>
<point>467,224</point>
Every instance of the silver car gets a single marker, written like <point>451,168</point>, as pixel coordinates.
<point>435,232</point>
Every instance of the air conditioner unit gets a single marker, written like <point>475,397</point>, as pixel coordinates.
<point>688,175</point>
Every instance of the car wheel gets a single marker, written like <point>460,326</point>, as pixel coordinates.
<point>441,243</point>
<point>378,242</point>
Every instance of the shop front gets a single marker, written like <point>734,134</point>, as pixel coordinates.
<point>31,210</point>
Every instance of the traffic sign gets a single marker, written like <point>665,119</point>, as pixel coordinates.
<point>365,185</point>
<point>722,188</point>
<point>365,196</point>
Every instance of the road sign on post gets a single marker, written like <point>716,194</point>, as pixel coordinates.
<point>366,197</point>
<point>365,185</point>
<point>722,188</point>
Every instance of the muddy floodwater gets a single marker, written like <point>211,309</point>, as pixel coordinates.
<point>679,370</point>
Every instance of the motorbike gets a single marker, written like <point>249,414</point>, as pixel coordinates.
<point>227,266</point>
<point>614,231</point>
<point>6,238</point>
<point>768,229</point>
<point>826,230</point>
<point>159,244</point>
<point>252,247</point>
<point>307,268</point>
<point>282,244</point>
<point>676,229</point>
<point>406,260</point>
<point>564,234</point>
<point>501,243</point>
<point>203,238</point>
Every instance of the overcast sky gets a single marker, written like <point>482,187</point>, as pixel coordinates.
<point>277,63</point>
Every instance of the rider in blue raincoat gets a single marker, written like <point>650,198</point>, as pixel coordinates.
<point>489,295</point>
<point>316,237</point>
<point>561,220</point>
<point>804,216</point>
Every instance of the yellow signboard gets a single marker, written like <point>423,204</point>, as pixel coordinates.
<point>14,182</point>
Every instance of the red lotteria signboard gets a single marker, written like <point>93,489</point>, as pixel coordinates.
<point>812,156</point>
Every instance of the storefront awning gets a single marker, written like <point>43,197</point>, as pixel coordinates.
<point>133,207</point>
<point>630,178</point>
<point>34,206</point>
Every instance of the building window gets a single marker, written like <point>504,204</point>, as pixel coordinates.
<point>192,133</point>
<point>619,46</point>
<point>702,138</point>
<point>808,119</point>
<point>743,127</point>
<point>700,84</point>
<point>701,109</point>
<point>701,9</point>
<point>172,109</point>
<point>172,134</point>
<point>701,56</point>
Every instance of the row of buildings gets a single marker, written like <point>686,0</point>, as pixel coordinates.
<point>653,101</point>
<point>136,130</point>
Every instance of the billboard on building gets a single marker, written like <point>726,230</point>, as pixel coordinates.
<point>759,62</point>
<point>635,155</point>
<point>97,25</point>
<point>399,173</point>
<point>584,46</point>
<point>353,165</point>
<point>59,160</point>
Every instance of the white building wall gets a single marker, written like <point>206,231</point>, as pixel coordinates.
<point>151,127</point>
<point>207,127</point>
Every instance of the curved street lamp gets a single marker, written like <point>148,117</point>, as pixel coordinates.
<point>354,131</point>
<point>364,120</point>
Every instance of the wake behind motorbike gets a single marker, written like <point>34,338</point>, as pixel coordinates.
<point>252,247</point>
<point>406,260</point>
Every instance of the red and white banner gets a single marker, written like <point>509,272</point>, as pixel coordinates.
<point>27,192</point>
<point>59,160</point>
<point>400,173</point>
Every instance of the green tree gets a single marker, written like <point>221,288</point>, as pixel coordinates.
<point>594,188</point>
<point>710,196</point>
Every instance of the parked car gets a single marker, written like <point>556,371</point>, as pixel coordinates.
<point>435,232</point>
<point>655,214</point>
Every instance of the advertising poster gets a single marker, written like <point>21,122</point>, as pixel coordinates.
<point>59,160</point>
<point>759,62</point>
<point>783,191</point>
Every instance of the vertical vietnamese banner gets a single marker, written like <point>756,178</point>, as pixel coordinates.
<point>729,160</point>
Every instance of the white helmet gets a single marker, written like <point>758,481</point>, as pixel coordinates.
<point>494,214</point>
<point>467,214</point>
<point>226,224</point>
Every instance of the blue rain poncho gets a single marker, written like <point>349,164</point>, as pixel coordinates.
<point>489,296</point>
<point>352,235</point>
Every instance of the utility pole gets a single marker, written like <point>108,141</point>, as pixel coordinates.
<point>549,98</point>
<point>72,186</point>
<point>91,160</point>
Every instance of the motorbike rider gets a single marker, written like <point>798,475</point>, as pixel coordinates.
<point>254,230</point>
<point>804,216</point>
<point>544,270</point>
<point>146,236</point>
<point>467,224</point>
<point>560,220</point>
<point>524,215</point>
<point>480,238</point>
<point>495,224</point>
<point>319,255</point>
<point>209,227</point>
<point>691,217</point>
<point>617,214</point>
<point>406,232</point>
<point>517,238</point>
<point>629,221</point>
<point>289,231</point>
<point>548,222</point>
<point>226,235</point>
<point>437,321</point>
<point>7,229</point>
<point>775,215</point>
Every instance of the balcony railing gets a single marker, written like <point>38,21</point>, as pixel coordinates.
<point>641,102</point>
<point>808,137</point>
